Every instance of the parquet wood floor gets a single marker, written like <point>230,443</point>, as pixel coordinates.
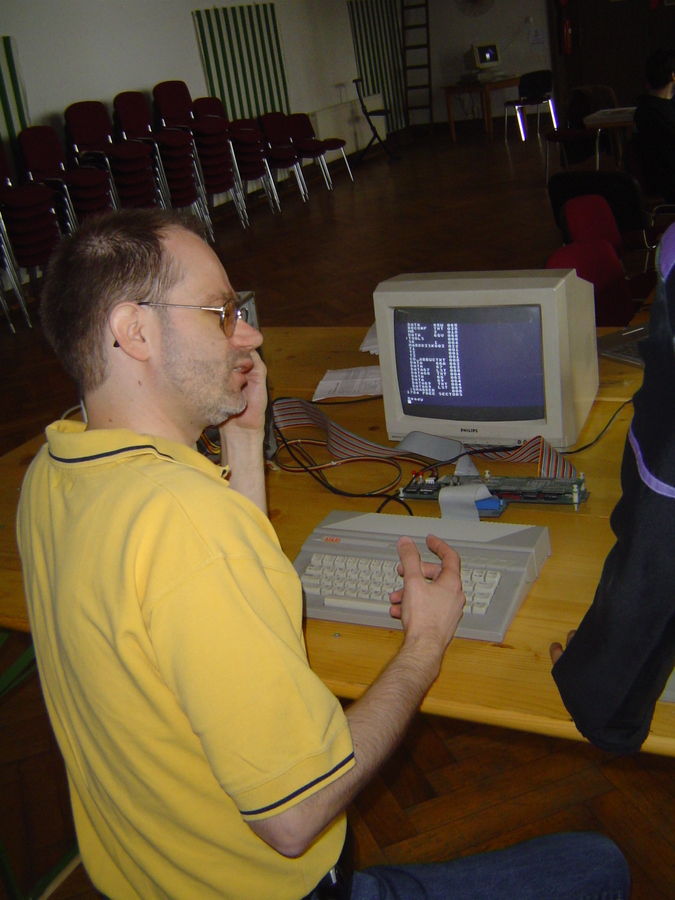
<point>453,787</point>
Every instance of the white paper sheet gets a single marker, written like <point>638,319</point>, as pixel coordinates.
<point>369,343</point>
<point>363,381</point>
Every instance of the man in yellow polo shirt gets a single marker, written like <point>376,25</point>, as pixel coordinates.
<point>204,758</point>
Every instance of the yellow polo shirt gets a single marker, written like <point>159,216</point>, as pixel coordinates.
<point>168,630</point>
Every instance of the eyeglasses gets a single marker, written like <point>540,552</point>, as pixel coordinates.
<point>230,313</point>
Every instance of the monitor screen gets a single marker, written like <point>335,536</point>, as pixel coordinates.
<point>487,357</point>
<point>486,55</point>
<point>444,371</point>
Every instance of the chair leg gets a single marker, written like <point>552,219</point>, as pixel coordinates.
<point>521,122</point>
<point>506,124</point>
<point>5,310</point>
<point>302,187</point>
<point>269,181</point>
<point>344,156</point>
<point>302,178</point>
<point>551,109</point>
<point>375,137</point>
<point>323,165</point>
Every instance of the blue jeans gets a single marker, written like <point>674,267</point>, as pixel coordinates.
<point>574,866</point>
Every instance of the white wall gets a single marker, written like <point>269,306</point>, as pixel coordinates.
<point>92,49</point>
<point>506,22</point>
<point>318,52</point>
<point>73,50</point>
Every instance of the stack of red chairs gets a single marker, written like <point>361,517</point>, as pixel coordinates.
<point>250,151</point>
<point>81,191</point>
<point>29,231</point>
<point>209,129</point>
<point>89,132</point>
<point>173,151</point>
<point>211,134</point>
<point>281,152</point>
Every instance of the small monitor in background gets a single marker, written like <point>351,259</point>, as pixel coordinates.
<point>486,56</point>
<point>487,357</point>
<point>247,302</point>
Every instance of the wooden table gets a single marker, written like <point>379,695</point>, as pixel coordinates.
<point>484,89</point>
<point>507,684</point>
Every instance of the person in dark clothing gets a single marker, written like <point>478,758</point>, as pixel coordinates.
<point>617,663</point>
<point>655,125</point>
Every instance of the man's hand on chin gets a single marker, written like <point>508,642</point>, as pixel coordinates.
<point>255,392</point>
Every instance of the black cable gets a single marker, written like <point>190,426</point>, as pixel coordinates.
<point>320,476</point>
<point>394,498</point>
<point>600,434</point>
<point>340,401</point>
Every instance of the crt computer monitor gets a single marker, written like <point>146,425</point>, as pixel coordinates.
<point>487,358</point>
<point>486,56</point>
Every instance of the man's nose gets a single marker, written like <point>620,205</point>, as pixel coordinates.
<point>246,336</point>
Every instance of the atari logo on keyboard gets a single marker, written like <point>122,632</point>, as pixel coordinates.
<point>352,581</point>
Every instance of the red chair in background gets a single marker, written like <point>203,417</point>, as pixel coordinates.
<point>208,106</point>
<point>589,217</point>
<point>596,261</point>
<point>307,143</point>
<point>281,152</point>
<point>81,191</point>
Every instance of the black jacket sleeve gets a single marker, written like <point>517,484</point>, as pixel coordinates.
<point>617,664</point>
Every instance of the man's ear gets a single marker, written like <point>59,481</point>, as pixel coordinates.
<point>130,332</point>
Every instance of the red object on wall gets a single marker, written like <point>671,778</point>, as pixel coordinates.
<point>566,36</point>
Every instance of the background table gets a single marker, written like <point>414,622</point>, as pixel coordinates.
<point>507,684</point>
<point>618,122</point>
<point>484,89</point>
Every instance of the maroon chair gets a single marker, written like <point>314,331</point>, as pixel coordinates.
<point>173,104</point>
<point>250,151</point>
<point>81,191</point>
<point>208,106</point>
<point>305,139</point>
<point>89,131</point>
<point>589,217</point>
<point>281,152</point>
<point>596,261</point>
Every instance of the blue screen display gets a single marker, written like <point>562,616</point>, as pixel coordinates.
<point>480,363</point>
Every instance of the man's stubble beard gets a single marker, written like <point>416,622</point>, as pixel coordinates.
<point>202,383</point>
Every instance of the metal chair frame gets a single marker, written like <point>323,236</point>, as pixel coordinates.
<point>368,113</point>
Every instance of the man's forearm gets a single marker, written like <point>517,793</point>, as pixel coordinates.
<point>242,451</point>
<point>377,722</point>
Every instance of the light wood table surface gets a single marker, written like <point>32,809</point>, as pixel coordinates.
<point>484,89</point>
<point>507,684</point>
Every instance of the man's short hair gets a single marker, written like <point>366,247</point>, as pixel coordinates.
<point>118,257</point>
<point>660,66</point>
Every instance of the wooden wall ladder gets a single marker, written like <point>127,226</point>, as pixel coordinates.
<point>416,54</point>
